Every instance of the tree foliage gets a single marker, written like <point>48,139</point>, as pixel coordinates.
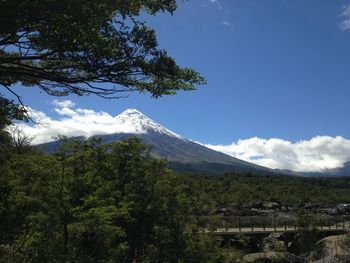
<point>293,191</point>
<point>89,202</point>
<point>77,46</point>
<point>94,203</point>
<point>9,111</point>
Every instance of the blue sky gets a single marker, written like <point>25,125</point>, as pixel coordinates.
<point>275,69</point>
<point>279,69</point>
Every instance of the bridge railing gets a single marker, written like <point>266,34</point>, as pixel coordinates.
<point>254,223</point>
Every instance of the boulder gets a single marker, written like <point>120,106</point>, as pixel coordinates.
<point>343,208</point>
<point>272,205</point>
<point>222,211</point>
<point>335,247</point>
<point>271,242</point>
<point>257,205</point>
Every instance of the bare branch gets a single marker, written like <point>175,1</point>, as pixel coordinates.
<point>20,141</point>
<point>13,93</point>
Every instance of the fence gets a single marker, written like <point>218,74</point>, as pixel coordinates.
<point>249,223</point>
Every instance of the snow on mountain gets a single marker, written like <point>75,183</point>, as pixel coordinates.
<point>182,154</point>
<point>74,122</point>
<point>140,123</point>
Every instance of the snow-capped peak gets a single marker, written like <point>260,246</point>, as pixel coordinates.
<point>131,112</point>
<point>140,123</point>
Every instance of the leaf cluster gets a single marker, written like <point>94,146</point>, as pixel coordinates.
<point>247,189</point>
<point>89,202</point>
<point>88,47</point>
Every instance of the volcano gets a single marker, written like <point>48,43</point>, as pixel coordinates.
<point>182,154</point>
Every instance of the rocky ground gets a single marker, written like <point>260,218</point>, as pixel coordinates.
<point>272,257</point>
<point>333,248</point>
<point>276,209</point>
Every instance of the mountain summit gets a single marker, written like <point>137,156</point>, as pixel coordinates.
<point>140,123</point>
<point>182,154</point>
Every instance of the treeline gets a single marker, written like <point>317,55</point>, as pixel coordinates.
<point>246,189</point>
<point>89,202</point>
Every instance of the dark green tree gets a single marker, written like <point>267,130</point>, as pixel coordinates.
<point>99,203</point>
<point>77,46</point>
<point>9,111</point>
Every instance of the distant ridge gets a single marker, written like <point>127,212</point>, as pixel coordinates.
<point>183,154</point>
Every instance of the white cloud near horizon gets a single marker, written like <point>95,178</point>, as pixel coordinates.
<point>72,122</point>
<point>316,154</point>
<point>345,24</point>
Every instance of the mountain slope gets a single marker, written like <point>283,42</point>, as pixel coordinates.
<point>336,172</point>
<point>182,154</point>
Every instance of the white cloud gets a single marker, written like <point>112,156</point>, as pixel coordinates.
<point>216,3</point>
<point>65,112</point>
<point>226,23</point>
<point>345,24</point>
<point>346,11</point>
<point>222,10</point>
<point>63,103</point>
<point>317,154</point>
<point>73,122</point>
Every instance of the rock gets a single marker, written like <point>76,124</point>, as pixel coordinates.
<point>234,206</point>
<point>258,205</point>
<point>271,242</point>
<point>256,211</point>
<point>309,205</point>
<point>271,205</point>
<point>343,208</point>
<point>330,211</point>
<point>273,257</point>
<point>222,211</point>
<point>334,246</point>
<point>245,206</point>
<point>285,208</point>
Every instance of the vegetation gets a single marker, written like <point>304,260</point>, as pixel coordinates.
<point>78,47</point>
<point>89,202</point>
<point>93,203</point>
<point>307,237</point>
<point>246,189</point>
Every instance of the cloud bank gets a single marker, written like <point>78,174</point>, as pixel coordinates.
<point>314,155</point>
<point>345,24</point>
<point>317,154</point>
<point>73,122</point>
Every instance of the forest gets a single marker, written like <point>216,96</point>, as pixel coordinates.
<point>89,202</point>
<point>93,203</point>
